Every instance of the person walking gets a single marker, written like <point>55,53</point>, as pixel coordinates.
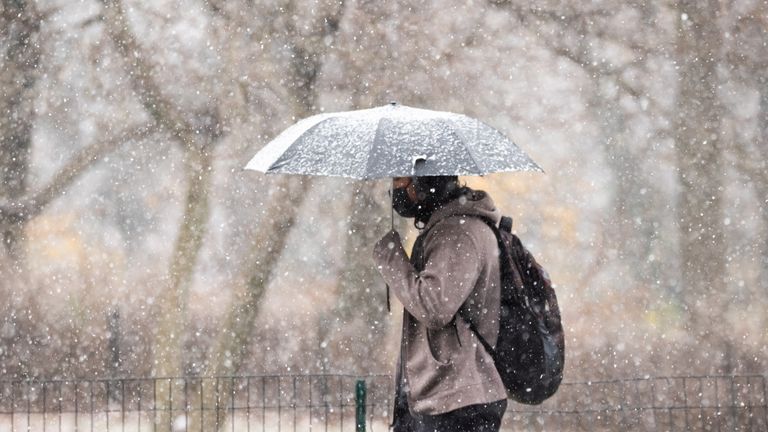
<point>446,381</point>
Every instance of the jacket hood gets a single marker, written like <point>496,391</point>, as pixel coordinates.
<point>468,203</point>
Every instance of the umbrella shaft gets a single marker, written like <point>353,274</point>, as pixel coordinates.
<point>391,206</point>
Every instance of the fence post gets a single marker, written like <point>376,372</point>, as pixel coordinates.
<point>360,391</point>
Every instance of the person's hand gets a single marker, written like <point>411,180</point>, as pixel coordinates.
<point>387,243</point>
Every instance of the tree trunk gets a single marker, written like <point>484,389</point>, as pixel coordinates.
<point>631,221</point>
<point>358,323</point>
<point>302,73</point>
<point>761,177</point>
<point>168,343</point>
<point>19,58</point>
<point>197,142</point>
<point>19,26</point>
<point>233,339</point>
<point>700,168</point>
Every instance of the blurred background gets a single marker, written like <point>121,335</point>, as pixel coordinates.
<point>134,244</point>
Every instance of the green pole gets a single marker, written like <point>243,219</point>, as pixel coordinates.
<point>360,405</point>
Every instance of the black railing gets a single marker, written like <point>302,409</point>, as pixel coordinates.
<point>328,403</point>
<point>692,403</point>
<point>236,403</point>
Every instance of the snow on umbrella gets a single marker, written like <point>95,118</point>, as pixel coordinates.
<point>391,141</point>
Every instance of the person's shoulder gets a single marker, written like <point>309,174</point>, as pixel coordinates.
<point>457,226</point>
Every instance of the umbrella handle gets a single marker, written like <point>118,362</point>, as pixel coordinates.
<point>392,226</point>
<point>391,206</point>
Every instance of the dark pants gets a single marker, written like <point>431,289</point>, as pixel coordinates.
<point>472,418</point>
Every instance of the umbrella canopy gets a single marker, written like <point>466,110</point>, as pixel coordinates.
<point>390,141</point>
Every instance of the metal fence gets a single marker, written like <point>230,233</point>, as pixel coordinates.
<point>692,403</point>
<point>337,402</point>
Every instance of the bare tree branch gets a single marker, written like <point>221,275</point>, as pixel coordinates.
<point>33,204</point>
<point>566,20</point>
<point>744,154</point>
<point>141,73</point>
<point>532,10</point>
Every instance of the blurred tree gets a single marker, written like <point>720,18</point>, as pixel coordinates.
<point>759,168</point>
<point>357,325</point>
<point>301,42</point>
<point>700,167</point>
<point>615,100</point>
<point>747,56</point>
<point>620,48</point>
<point>20,55</point>
<point>19,26</point>
<point>197,133</point>
<point>596,38</point>
<point>20,202</point>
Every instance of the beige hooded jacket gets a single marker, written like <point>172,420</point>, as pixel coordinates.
<point>446,366</point>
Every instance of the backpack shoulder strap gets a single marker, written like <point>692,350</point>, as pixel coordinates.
<point>505,224</point>
<point>480,337</point>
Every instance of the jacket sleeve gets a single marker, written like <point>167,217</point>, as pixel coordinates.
<point>451,269</point>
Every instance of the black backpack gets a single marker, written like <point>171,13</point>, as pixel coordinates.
<point>530,351</point>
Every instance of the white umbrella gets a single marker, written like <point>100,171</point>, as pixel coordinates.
<point>391,141</point>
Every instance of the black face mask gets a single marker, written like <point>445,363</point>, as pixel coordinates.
<point>402,203</point>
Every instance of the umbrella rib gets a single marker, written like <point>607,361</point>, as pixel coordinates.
<point>270,153</point>
<point>466,146</point>
<point>367,169</point>
<point>295,148</point>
